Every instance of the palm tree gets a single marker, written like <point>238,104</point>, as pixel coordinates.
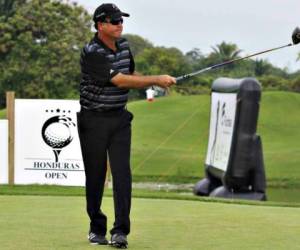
<point>226,51</point>
<point>262,67</point>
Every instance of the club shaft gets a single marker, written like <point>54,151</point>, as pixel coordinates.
<point>183,77</point>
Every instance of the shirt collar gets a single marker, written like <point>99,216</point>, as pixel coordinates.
<point>97,40</point>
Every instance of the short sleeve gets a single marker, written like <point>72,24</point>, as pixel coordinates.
<point>97,66</point>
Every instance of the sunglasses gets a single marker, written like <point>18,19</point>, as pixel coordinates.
<point>115,21</point>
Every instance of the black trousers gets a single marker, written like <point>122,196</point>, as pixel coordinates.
<point>103,134</point>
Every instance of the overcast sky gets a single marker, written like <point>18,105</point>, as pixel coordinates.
<point>254,25</point>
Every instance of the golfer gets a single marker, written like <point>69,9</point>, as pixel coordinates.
<point>104,123</point>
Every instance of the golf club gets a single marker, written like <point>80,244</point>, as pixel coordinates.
<point>295,39</point>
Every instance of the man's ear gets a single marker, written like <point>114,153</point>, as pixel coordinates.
<point>99,26</point>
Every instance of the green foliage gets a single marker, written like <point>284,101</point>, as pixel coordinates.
<point>40,49</point>
<point>295,86</point>
<point>137,44</point>
<point>224,52</point>
<point>272,77</point>
<point>161,60</point>
<point>271,82</point>
<point>8,7</point>
<point>196,59</point>
<point>221,53</point>
<point>262,67</point>
<point>40,44</point>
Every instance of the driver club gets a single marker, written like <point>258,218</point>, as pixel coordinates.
<point>295,39</point>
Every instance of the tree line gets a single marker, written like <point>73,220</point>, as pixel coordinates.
<point>40,44</point>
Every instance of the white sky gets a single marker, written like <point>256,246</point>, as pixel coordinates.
<point>254,25</point>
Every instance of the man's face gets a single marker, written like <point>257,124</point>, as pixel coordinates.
<point>112,27</point>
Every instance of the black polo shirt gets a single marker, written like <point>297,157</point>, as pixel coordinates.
<point>99,64</point>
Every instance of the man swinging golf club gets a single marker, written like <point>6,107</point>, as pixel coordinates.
<point>104,124</point>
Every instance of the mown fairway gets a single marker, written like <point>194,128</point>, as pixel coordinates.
<point>170,137</point>
<point>49,222</point>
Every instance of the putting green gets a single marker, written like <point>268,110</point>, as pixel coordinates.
<point>49,222</point>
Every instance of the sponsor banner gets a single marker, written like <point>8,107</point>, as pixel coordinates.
<point>222,118</point>
<point>47,148</point>
<point>3,151</point>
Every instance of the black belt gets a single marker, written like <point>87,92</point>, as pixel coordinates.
<point>103,111</point>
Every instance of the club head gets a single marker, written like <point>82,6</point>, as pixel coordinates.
<point>296,35</point>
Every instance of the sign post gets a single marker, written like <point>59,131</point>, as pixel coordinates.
<point>10,114</point>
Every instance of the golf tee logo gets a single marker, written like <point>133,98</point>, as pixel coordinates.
<point>57,133</point>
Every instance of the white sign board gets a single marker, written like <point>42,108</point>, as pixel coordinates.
<point>3,152</point>
<point>47,147</point>
<point>222,119</point>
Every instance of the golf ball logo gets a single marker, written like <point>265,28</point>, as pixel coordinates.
<point>57,134</point>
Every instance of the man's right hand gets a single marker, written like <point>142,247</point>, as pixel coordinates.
<point>165,81</point>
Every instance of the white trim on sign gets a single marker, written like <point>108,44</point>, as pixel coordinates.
<point>3,151</point>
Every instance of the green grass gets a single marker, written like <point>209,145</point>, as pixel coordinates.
<point>170,138</point>
<point>276,197</point>
<point>37,222</point>
<point>279,126</point>
<point>2,113</point>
